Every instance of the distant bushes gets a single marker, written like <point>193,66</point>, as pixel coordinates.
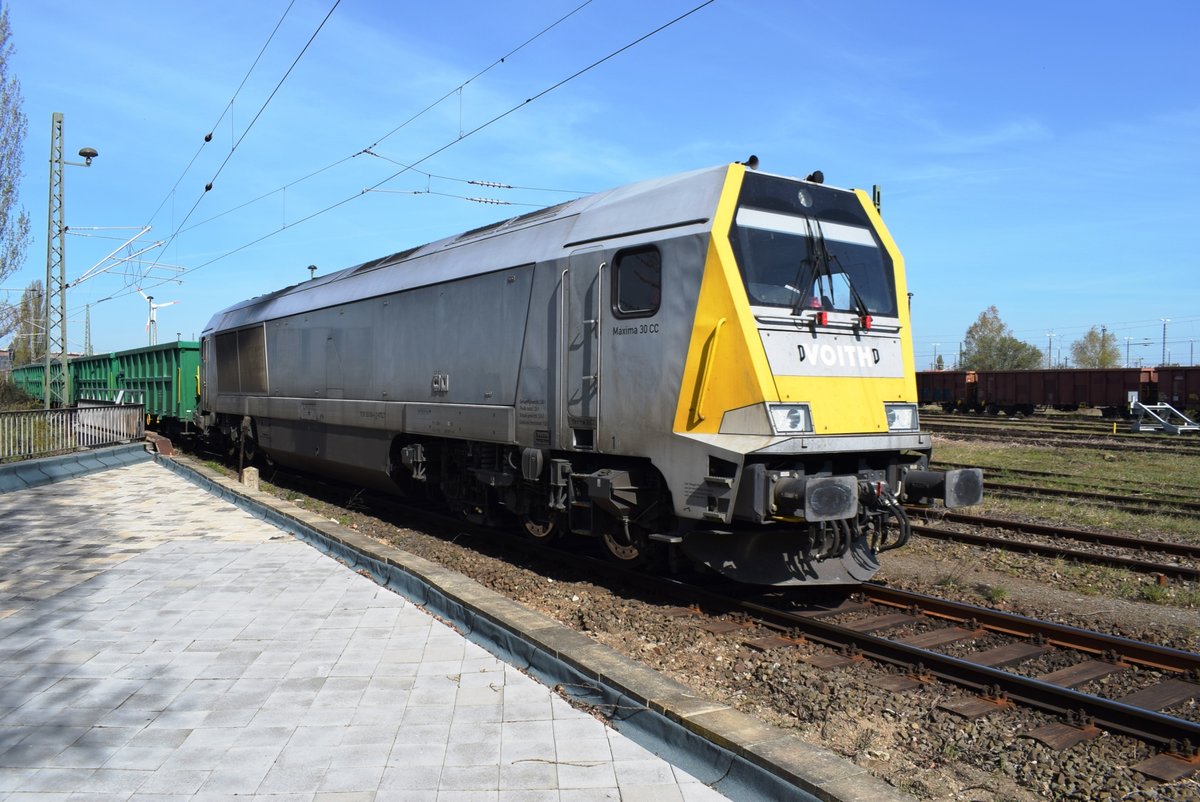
<point>13,397</point>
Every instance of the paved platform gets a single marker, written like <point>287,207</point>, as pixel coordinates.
<point>156,642</point>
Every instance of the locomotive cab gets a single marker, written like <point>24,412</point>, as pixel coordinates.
<point>822,409</point>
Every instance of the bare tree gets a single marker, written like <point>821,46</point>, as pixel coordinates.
<point>29,341</point>
<point>14,221</point>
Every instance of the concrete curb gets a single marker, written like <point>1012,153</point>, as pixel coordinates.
<point>34,473</point>
<point>737,755</point>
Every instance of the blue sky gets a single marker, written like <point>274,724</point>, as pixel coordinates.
<point>1041,157</point>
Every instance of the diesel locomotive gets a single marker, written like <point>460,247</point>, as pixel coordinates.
<point>715,365</point>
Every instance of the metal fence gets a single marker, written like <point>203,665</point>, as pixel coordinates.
<point>36,433</point>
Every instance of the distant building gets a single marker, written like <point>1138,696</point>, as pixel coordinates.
<point>5,361</point>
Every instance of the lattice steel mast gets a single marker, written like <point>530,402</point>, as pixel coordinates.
<point>57,379</point>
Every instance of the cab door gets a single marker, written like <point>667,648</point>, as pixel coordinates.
<point>583,298</point>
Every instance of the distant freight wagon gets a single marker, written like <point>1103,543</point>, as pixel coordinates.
<point>1180,387</point>
<point>1021,392</point>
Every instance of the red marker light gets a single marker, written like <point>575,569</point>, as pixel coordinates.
<point>866,322</point>
<point>823,318</point>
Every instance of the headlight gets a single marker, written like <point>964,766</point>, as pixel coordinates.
<point>790,418</point>
<point>901,417</point>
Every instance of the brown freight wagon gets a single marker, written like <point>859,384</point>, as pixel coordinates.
<point>1180,387</point>
<point>950,389</point>
<point>1022,391</point>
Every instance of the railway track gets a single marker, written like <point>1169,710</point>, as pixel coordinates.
<point>997,663</point>
<point>1033,424</point>
<point>1019,430</point>
<point>1014,433</point>
<point>1148,491</point>
<point>1124,502</point>
<point>1053,547</point>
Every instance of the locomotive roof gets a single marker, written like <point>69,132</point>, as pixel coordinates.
<point>538,236</point>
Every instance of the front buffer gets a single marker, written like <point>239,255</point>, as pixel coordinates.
<point>821,530</point>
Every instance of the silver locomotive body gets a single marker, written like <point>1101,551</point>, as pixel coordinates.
<point>558,367</point>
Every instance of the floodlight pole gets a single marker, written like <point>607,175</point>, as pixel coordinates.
<point>55,264</point>
<point>58,387</point>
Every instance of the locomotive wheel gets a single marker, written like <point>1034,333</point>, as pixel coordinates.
<point>541,527</point>
<point>641,552</point>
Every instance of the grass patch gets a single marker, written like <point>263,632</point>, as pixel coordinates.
<point>1082,514</point>
<point>1134,469</point>
<point>958,564</point>
<point>1155,594</point>
<point>996,594</point>
<point>1085,469</point>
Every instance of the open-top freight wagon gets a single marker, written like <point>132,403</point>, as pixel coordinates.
<point>1022,392</point>
<point>165,377</point>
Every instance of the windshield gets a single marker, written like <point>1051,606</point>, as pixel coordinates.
<point>800,262</point>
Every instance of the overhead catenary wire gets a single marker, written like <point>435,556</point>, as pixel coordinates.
<point>265,195</point>
<point>277,190</point>
<point>458,89</point>
<point>262,108</point>
<point>492,201</point>
<point>224,111</point>
<point>447,145</point>
<point>475,182</point>
<point>368,150</point>
<point>270,97</point>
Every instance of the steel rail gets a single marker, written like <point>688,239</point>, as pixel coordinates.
<point>1031,424</point>
<point>1142,566</point>
<point>1047,530</point>
<point>1126,503</point>
<point>1085,640</point>
<point>1154,495</point>
<point>1066,440</point>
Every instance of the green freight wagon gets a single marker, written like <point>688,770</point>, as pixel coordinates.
<point>165,377</point>
<point>28,379</point>
<point>93,377</point>
<point>168,376</point>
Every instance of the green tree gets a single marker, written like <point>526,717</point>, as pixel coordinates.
<point>1096,349</point>
<point>29,341</point>
<point>990,345</point>
<point>14,221</point>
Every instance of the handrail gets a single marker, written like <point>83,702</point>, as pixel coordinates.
<point>710,352</point>
<point>599,351</point>
<point>560,402</point>
<point>32,433</point>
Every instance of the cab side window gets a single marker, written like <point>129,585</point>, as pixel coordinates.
<point>637,282</point>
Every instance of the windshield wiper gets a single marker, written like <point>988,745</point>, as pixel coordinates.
<point>858,301</point>
<point>811,268</point>
<point>827,258</point>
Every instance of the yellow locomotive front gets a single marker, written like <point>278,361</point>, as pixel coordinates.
<point>801,363</point>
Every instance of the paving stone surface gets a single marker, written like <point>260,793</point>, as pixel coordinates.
<point>158,643</point>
